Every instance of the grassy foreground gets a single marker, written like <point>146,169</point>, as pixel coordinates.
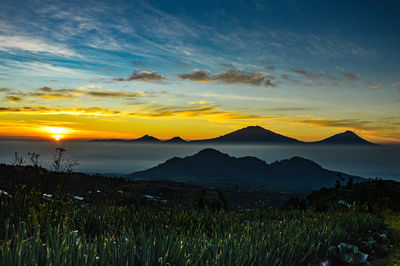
<point>52,231</point>
<point>393,218</point>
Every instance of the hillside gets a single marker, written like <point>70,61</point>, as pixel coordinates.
<point>98,189</point>
<point>211,167</point>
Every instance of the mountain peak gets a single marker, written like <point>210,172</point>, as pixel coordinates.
<point>348,137</point>
<point>254,134</point>
<point>255,128</point>
<point>148,138</point>
<point>175,140</point>
<point>210,152</point>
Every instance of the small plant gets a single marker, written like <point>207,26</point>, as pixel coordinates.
<point>17,160</point>
<point>348,254</point>
<point>62,163</point>
<point>34,159</point>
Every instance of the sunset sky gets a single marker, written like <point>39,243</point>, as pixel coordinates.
<point>199,69</point>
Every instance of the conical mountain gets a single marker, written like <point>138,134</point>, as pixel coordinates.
<point>175,140</point>
<point>147,138</point>
<point>253,134</point>
<point>345,138</point>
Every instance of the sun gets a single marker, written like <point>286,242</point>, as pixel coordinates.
<point>57,137</point>
<point>57,133</point>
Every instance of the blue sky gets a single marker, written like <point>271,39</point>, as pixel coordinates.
<point>303,68</point>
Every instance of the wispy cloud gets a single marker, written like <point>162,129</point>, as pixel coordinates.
<point>72,111</point>
<point>43,69</point>
<point>350,77</point>
<point>13,98</point>
<point>5,89</point>
<point>231,76</point>
<point>50,93</point>
<point>200,110</point>
<point>12,43</point>
<point>195,110</point>
<point>373,86</point>
<point>318,78</point>
<point>358,124</point>
<point>287,77</point>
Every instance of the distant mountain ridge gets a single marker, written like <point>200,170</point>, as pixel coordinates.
<point>213,168</point>
<point>252,135</point>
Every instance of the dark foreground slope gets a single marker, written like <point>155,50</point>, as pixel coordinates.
<point>98,189</point>
<point>374,195</point>
<point>211,167</point>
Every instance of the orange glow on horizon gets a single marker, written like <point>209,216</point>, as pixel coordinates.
<point>57,137</point>
<point>57,133</point>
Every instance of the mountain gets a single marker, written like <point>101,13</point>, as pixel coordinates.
<point>345,138</point>
<point>175,140</point>
<point>213,168</point>
<point>255,135</point>
<point>252,134</point>
<point>144,139</point>
<point>147,138</point>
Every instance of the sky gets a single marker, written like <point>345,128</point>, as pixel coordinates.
<point>199,69</point>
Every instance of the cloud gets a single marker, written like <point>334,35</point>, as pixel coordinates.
<point>143,76</point>
<point>41,69</point>
<point>200,110</point>
<point>116,94</point>
<point>229,65</point>
<point>197,75</point>
<point>350,77</point>
<point>235,76</point>
<point>289,109</point>
<point>10,43</point>
<point>13,98</point>
<point>138,64</point>
<point>50,93</point>
<point>195,110</point>
<point>47,93</point>
<point>33,57</point>
<point>231,76</point>
<point>373,86</point>
<point>287,77</point>
<point>71,111</point>
<point>340,123</point>
<point>318,78</point>
<point>268,83</point>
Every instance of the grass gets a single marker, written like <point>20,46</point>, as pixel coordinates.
<point>39,231</point>
<point>393,218</point>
